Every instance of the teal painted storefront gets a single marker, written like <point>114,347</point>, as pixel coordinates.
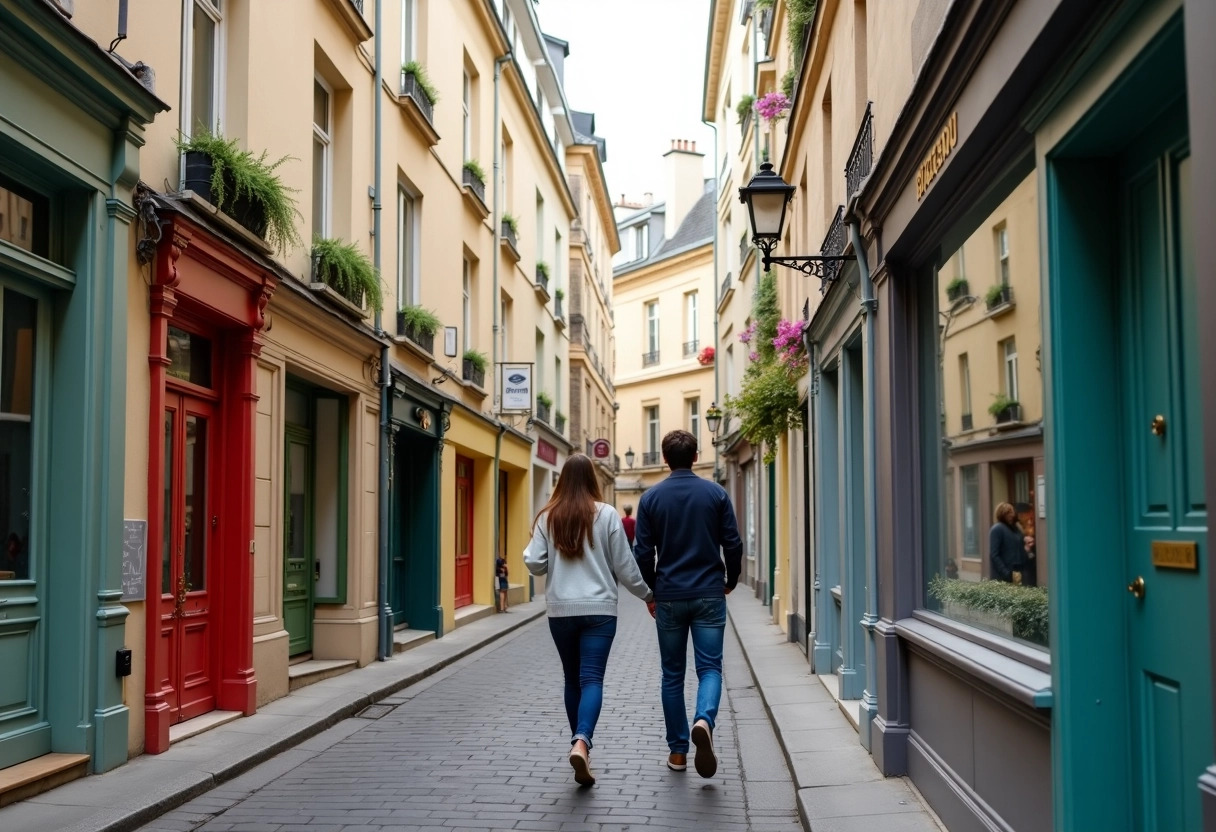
<point>70,134</point>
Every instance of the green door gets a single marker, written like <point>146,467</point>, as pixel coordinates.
<point>1163,502</point>
<point>298,542</point>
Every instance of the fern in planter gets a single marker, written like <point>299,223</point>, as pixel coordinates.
<point>542,269</point>
<point>476,360</point>
<point>995,295</point>
<point>744,107</point>
<point>421,79</point>
<point>474,167</point>
<point>347,271</point>
<point>510,222</point>
<point>544,398</point>
<point>420,320</point>
<point>957,288</point>
<point>1000,404</point>
<point>243,186</point>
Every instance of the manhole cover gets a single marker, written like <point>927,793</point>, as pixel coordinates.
<point>374,711</point>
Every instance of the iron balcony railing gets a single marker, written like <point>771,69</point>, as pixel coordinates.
<point>358,4</point>
<point>650,458</point>
<point>650,358</point>
<point>690,348</point>
<point>744,248</point>
<point>725,287</point>
<point>861,157</point>
<point>833,244</point>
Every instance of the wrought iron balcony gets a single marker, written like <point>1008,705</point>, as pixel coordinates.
<point>861,157</point>
<point>726,281</point>
<point>651,457</point>
<point>650,358</point>
<point>833,245</point>
<point>690,348</point>
<point>358,4</point>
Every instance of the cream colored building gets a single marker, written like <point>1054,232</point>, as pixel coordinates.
<point>663,285</point>
<point>262,411</point>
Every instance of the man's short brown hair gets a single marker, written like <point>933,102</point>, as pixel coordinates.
<point>679,449</point>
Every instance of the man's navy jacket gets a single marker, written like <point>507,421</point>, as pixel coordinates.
<point>689,524</point>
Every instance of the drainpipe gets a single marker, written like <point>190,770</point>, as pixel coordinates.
<point>812,577</point>
<point>494,300</point>
<point>869,621</point>
<point>718,475</point>
<point>385,613</point>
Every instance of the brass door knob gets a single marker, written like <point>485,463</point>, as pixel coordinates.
<point>1136,587</point>
<point>1158,425</point>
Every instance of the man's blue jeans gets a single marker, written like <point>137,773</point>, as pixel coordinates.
<point>705,618</point>
<point>583,642</point>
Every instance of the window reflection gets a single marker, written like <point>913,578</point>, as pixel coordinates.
<point>985,562</point>
<point>17,347</point>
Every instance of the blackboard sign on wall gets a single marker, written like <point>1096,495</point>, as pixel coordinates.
<point>134,559</point>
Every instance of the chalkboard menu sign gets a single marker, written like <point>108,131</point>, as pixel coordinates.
<point>134,558</point>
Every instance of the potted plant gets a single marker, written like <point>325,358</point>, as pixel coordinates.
<point>744,110</point>
<point>510,229</point>
<point>475,178</point>
<point>543,403</point>
<point>1005,409</point>
<point>773,106</point>
<point>243,186</point>
<point>417,85</point>
<point>560,422</point>
<point>706,357</point>
<point>347,270</point>
<point>419,325</point>
<point>474,367</point>
<point>542,275</point>
<point>997,295</point>
<point>957,288</point>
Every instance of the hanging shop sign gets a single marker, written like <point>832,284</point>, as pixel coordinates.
<point>601,449</point>
<point>515,388</point>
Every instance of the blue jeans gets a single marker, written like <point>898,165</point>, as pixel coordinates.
<point>583,642</point>
<point>705,618</point>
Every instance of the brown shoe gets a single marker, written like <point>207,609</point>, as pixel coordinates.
<point>705,759</point>
<point>677,762</point>
<point>582,768</point>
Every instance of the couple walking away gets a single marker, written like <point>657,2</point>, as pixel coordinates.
<point>686,558</point>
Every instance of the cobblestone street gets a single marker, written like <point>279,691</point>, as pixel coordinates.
<point>481,745</point>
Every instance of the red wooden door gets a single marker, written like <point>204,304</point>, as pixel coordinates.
<point>186,563</point>
<point>464,531</point>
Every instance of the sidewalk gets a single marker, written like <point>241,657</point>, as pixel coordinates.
<point>152,784</point>
<point>839,788</point>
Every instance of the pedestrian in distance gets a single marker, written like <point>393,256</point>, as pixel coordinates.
<point>500,576</point>
<point>629,523</point>
<point>1006,548</point>
<point>579,543</point>
<point>690,554</point>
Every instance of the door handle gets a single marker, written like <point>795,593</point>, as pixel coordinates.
<point>1136,588</point>
<point>1158,425</point>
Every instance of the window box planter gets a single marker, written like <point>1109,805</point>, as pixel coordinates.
<point>343,275</point>
<point>560,422</point>
<point>510,237</point>
<point>417,100</point>
<point>542,411</point>
<point>234,196</point>
<point>999,297</point>
<point>1005,410</point>
<point>473,368</point>
<point>474,180</point>
<point>542,280</point>
<point>419,326</point>
<point>956,289</point>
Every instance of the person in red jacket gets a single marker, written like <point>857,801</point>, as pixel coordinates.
<point>629,523</point>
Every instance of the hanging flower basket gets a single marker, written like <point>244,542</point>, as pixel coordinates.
<point>773,106</point>
<point>706,357</point>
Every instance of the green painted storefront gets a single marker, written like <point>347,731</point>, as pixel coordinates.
<point>71,126</point>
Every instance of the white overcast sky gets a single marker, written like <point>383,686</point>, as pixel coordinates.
<point>639,65</point>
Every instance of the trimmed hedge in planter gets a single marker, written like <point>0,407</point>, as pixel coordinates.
<point>1024,607</point>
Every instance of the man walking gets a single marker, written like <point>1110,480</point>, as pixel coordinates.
<point>629,523</point>
<point>685,526</point>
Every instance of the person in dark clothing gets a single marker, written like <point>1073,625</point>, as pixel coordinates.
<point>1006,548</point>
<point>690,554</point>
<point>630,524</point>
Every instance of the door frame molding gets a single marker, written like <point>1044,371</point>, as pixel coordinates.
<point>199,278</point>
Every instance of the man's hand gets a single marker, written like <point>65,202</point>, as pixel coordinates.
<point>650,608</point>
<point>728,590</point>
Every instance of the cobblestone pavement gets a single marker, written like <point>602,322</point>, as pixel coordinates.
<point>482,745</point>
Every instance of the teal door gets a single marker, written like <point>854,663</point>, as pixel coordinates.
<point>1163,503</point>
<point>298,558</point>
<point>24,730</point>
<point>414,555</point>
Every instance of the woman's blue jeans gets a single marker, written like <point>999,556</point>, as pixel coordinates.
<point>705,619</point>
<point>583,642</point>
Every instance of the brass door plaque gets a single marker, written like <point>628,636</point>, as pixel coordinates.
<point>1176,554</point>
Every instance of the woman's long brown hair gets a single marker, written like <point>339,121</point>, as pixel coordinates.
<point>572,507</point>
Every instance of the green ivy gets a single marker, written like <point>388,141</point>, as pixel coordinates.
<point>744,107</point>
<point>1025,607</point>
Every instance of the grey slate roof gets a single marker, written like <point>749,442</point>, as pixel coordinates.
<point>697,229</point>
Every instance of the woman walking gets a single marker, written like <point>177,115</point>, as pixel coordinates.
<point>1006,546</point>
<point>579,542</point>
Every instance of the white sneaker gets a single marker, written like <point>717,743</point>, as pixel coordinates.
<point>705,760</point>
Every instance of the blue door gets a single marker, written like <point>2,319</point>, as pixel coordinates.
<point>1163,504</point>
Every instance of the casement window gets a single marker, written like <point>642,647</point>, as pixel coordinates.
<point>641,241</point>
<point>1002,253</point>
<point>409,23</point>
<point>692,329</point>
<point>1009,356</point>
<point>322,156</point>
<point>407,249</point>
<point>466,307</point>
<point>694,417</point>
<point>971,511</point>
<point>964,387</point>
<point>653,438</point>
<point>201,66</point>
<point>466,112</point>
<point>652,327</point>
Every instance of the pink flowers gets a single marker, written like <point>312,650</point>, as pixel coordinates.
<point>772,106</point>
<point>748,334</point>
<point>706,357</point>
<point>788,344</point>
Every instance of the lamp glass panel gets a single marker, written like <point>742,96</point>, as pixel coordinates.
<point>768,213</point>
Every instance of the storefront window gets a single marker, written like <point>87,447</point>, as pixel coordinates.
<point>986,555</point>
<point>16,411</point>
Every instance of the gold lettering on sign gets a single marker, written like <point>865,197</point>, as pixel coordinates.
<point>1176,554</point>
<point>941,150</point>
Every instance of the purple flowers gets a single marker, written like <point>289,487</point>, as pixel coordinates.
<point>772,106</point>
<point>788,344</point>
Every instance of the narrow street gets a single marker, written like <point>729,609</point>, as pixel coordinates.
<point>481,745</point>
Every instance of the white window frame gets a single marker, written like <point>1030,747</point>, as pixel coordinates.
<point>409,23</point>
<point>1009,356</point>
<point>212,8</point>
<point>408,266</point>
<point>694,417</point>
<point>466,307</point>
<point>325,135</point>
<point>964,369</point>
<point>1002,253</point>
<point>653,437</point>
<point>466,111</point>
<point>557,260</point>
<point>693,327</point>
<point>652,326</point>
<point>641,240</point>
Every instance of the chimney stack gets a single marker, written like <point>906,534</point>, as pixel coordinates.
<point>685,182</point>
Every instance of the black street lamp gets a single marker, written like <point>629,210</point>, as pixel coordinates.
<point>713,419</point>
<point>630,456</point>
<point>766,198</point>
